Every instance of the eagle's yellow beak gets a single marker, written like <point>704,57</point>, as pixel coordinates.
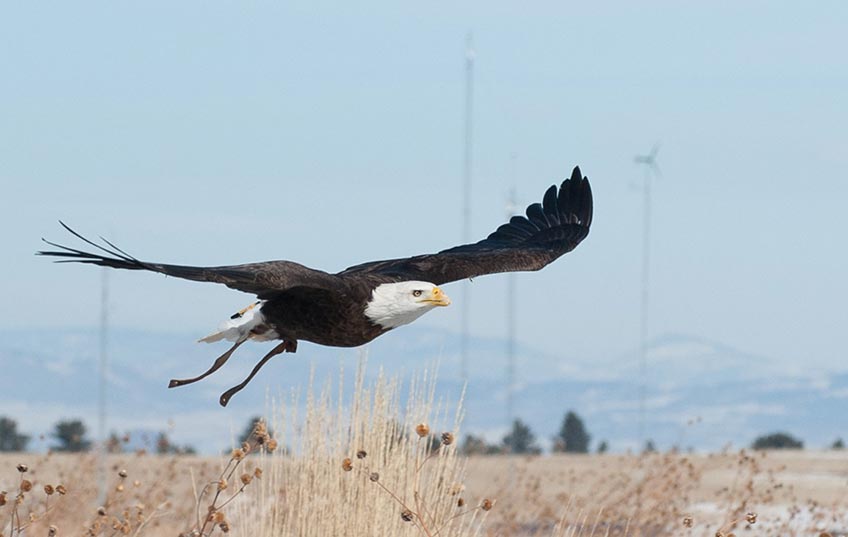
<point>438,298</point>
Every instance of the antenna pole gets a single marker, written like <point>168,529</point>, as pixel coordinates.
<point>101,392</point>
<point>510,327</point>
<point>466,207</point>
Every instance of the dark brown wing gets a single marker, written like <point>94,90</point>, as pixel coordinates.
<point>262,279</point>
<point>552,228</point>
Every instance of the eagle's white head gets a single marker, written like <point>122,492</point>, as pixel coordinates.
<point>396,304</point>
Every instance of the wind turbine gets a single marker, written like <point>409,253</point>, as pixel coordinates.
<point>650,159</point>
<point>652,170</point>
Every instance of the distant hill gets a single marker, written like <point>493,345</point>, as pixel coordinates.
<point>700,394</point>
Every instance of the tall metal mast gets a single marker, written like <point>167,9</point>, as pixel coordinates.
<point>511,207</point>
<point>101,392</point>
<point>466,208</point>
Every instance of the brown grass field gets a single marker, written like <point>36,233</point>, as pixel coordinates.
<point>373,469</point>
<point>792,493</point>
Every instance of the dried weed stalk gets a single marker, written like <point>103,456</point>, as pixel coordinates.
<point>418,512</point>
<point>210,516</point>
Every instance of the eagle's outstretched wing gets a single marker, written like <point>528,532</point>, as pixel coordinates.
<point>264,279</point>
<point>552,228</point>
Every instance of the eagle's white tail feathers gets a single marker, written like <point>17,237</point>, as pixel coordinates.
<point>245,324</point>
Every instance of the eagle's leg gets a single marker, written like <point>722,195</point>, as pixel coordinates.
<point>215,367</point>
<point>285,346</point>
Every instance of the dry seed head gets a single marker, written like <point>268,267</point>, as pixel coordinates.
<point>447,439</point>
<point>61,489</point>
<point>237,454</point>
<point>222,484</point>
<point>361,454</point>
<point>2,498</point>
<point>751,518</point>
<point>218,517</point>
<point>23,468</point>
<point>460,502</point>
<point>245,446</point>
<point>246,479</point>
<point>225,526</point>
<point>257,472</point>
<point>374,477</point>
<point>51,531</point>
<point>687,521</point>
<point>101,511</point>
<point>406,515</point>
<point>26,485</point>
<point>422,429</point>
<point>122,473</point>
<point>49,490</point>
<point>119,487</point>
<point>486,505</point>
<point>347,465</point>
<point>272,445</point>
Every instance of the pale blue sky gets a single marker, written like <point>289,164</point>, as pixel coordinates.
<point>330,134</point>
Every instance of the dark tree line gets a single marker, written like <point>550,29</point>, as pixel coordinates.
<point>779,440</point>
<point>571,438</point>
<point>10,438</point>
<point>71,436</point>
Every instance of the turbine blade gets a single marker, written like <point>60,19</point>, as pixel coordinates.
<point>654,150</point>
<point>656,169</point>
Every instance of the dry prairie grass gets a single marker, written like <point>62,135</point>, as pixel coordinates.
<point>369,468</point>
<point>778,493</point>
<point>372,470</point>
<point>375,467</point>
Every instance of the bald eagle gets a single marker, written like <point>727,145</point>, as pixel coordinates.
<point>354,306</point>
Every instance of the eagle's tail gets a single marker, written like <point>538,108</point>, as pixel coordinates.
<point>248,323</point>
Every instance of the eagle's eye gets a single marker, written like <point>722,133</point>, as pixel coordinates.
<point>417,293</point>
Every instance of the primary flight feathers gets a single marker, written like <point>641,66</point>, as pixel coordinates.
<point>356,305</point>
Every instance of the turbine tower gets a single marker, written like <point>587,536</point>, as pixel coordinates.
<point>652,170</point>
<point>466,192</point>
